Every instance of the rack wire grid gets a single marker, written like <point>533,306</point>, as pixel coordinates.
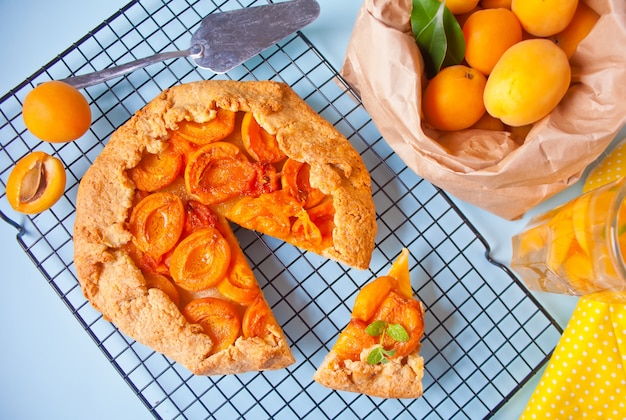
<point>485,335</point>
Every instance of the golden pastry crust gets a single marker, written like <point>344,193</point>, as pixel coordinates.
<point>399,378</point>
<point>116,287</point>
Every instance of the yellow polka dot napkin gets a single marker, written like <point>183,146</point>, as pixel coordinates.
<point>586,375</point>
<point>610,168</point>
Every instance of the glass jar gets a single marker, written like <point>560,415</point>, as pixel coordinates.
<point>578,247</point>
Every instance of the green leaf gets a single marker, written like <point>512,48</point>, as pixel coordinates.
<point>397,332</point>
<point>376,328</point>
<point>389,353</point>
<point>438,35</point>
<point>376,356</point>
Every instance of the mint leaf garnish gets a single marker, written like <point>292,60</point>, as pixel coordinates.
<point>378,329</point>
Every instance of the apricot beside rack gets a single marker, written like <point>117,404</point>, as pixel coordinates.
<point>485,334</point>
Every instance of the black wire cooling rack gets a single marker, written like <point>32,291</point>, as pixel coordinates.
<point>485,334</point>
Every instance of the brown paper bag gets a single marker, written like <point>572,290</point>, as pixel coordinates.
<point>490,169</point>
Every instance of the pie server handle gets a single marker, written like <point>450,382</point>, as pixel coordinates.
<point>96,77</point>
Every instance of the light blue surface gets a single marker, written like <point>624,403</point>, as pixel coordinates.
<point>49,367</point>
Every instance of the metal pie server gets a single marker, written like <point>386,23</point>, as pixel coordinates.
<point>224,40</point>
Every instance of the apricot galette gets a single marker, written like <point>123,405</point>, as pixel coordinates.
<point>154,251</point>
<point>377,353</point>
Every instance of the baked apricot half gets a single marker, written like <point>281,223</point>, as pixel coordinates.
<point>208,132</point>
<point>219,320</point>
<point>156,170</point>
<point>36,182</point>
<point>239,284</point>
<point>294,179</point>
<point>371,296</point>
<point>257,318</point>
<point>163,283</point>
<point>217,172</point>
<point>157,222</point>
<point>259,144</point>
<point>201,260</point>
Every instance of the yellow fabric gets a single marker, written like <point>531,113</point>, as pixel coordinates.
<point>586,375</point>
<point>612,167</point>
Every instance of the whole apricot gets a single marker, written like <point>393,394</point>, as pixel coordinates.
<point>528,82</point>
<point>488,34</point>
<point>544,17</point>
<point>579,27</point>
<point>453,99</point>
<point>56,112</point>
<point>457,7</point>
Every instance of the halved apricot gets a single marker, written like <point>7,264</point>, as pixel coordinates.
<point>257,318</point>
<point>208,132</point>
<point>201,260</point>
<point>217,172</point>
<point>268,213</point>
<point>239,284</point>
<point>306,230</point>
<point>163,283</point>
<point>36,182</point>
<point>352,340</point>
<point>259,144</point>
<point>400,270</point>
<point>156,222</point>
<point>156,170</point>
<point>145,262</point>
<point>371,296</point>
<point>294,179</point>
<point>219,320</point>
<point>182,146</point>
<point>396,309</point>
<point>322,219</point>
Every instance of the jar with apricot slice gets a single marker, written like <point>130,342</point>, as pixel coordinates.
<point>201,260</point>
<point>36,182</point>
<point>156,223</point>
<point>219,320</point>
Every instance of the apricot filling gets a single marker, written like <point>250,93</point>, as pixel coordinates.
<point>183,244</point>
